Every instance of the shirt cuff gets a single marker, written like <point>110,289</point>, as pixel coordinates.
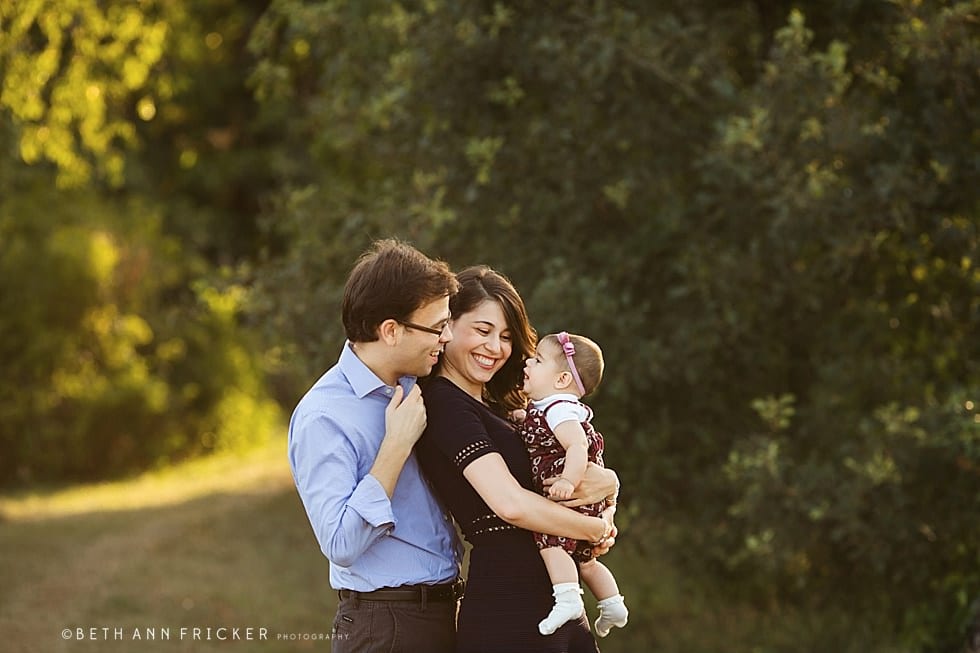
<point>371,502</point>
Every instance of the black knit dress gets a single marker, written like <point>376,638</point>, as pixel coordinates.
<point>508,590</point>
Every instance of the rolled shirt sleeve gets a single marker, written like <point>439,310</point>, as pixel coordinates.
<point>348,514</point>
<point>335,434</point>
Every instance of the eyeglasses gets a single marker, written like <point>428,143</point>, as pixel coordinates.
<point>434,331</point>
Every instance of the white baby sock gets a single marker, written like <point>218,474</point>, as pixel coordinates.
<point>612,612</point>
<point>568,606</point>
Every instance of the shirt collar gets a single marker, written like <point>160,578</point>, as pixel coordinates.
<point>362,380</point>
<point>550,399</point>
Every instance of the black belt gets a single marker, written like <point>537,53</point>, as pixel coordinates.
<point>445,592</point>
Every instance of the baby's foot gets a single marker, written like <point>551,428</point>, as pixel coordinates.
<point>612,612</point>
<point>568,606</point>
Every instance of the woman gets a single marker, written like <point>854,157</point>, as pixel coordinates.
<point>478,465</point>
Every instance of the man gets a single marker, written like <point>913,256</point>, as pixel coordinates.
<point>394,554</point>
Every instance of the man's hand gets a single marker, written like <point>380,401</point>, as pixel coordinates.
<point>597,484</point>
<point>405,418</point>
<point>404,423</point>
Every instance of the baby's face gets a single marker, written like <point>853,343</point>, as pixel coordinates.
<point>541,371</point>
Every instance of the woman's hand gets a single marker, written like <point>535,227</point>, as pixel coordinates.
<point>608,540</point>
<point>602,547</point>
<point>598,484</point>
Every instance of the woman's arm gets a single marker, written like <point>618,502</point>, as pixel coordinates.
<point>493,481</point>
<point>598,484</point>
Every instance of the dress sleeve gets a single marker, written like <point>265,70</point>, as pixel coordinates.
<point>455,425</point>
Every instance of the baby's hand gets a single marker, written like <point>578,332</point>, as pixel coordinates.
<point>518,415</point>
<point>561,489</point>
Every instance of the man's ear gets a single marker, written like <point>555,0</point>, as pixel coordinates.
<point>388,332</point>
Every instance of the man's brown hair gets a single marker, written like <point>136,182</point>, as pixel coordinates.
<point>391,280</point>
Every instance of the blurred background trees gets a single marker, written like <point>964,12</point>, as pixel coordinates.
<point>765,213</point>
<point>121,324</point>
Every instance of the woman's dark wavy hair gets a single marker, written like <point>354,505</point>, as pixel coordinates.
<point>477,284</point>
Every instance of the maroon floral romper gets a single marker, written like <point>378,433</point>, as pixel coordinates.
<point>548,459</point>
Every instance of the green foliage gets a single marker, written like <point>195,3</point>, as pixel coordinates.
<point>148,99</point>
<point>839,172</point>
<point>205,152</point>
<point>102,374</point>
<point>757,211</point>
<point>133,351</point>
<point>69,70</point>
<point>765,213</point>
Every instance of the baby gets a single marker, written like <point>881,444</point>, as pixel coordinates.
<point>560,442</point>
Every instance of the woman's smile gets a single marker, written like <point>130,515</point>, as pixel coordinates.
<point>486,362</point>
<point>480,347</point>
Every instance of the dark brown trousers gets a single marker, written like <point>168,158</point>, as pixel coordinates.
<point>363,626</point>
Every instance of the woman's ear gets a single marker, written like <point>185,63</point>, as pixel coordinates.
<point>388,332</point>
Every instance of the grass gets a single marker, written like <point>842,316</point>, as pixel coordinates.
<point>211,543</point>
<point>224,542</point>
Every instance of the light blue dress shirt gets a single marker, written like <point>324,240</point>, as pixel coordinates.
<point>370,541</point>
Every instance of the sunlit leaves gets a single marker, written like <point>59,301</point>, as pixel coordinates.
<point>105,362</point>
<point>70,70</point>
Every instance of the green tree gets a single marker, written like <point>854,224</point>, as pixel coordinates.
<point>757,212</point>
<point>102,375</point>
<point>69,69</point>
<point>858,173</point>
<point>123,326</point>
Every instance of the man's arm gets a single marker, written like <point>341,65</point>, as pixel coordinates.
<point>349,514</point>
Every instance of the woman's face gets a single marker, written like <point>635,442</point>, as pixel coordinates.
<point>480,346</point>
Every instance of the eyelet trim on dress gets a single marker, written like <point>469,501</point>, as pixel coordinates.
<point>492,529</point>
<point>469,451</point>
<point>492,525</point>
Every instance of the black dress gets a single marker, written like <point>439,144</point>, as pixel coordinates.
<point>507,590</point>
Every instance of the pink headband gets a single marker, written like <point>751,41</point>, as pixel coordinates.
<point>569,349</point>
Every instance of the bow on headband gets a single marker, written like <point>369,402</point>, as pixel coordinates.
<point>569,349</point>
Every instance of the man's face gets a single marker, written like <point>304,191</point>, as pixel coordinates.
<point>418,351</point>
